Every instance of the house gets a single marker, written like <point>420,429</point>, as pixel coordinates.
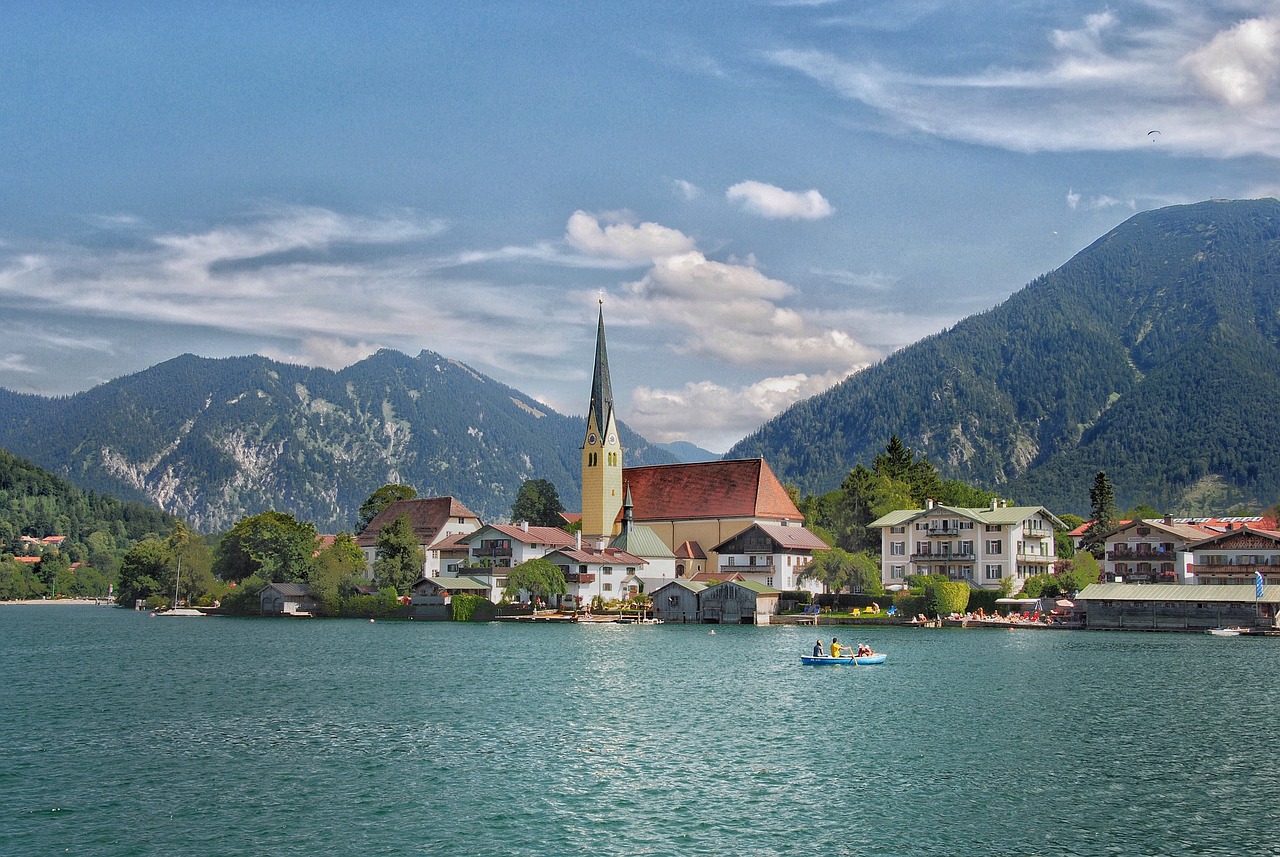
<point>690,559</point>
<point>287,599</point>
<point>773,554</point>
<point>677,601</point>
<point>433,519</point>
<point>508,545</point>
<point>1173,607</point>
<point>1236,556</point>
<point>593,572</point>
<point>738,602</point>
<point>430,597</point>
<point>1148,551</point>
<point>640,541</point>
<point>982,546</point>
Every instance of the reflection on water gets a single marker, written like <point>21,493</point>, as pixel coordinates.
<point>124,735</point>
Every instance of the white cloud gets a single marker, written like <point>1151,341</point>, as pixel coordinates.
<point>622,239</point>
<point>767,200</point>
<point>1097,203</point>
<point>15,363</point>
<point>1173,66</point>
<point>723,414</point>
<point>685,189</point>
<point>1239,66</point>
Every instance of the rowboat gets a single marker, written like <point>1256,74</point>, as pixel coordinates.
<point>867,660</point>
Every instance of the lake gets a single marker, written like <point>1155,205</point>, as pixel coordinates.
<point>124,734</point>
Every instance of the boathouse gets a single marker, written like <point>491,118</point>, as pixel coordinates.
<point>287,599</point>
<point>738,602</point>
<point>1176,607</point>
<point>677,601</point>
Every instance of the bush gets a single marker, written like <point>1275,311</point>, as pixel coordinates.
<point>909,604</point>
<point>943,599</point>
<point>463,607</point>
<point>983,599</point>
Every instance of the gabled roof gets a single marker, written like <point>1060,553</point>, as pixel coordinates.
<point>527,536</point>
<point>1186,532</point>
<point>591,556</point>
<point>454,542</point>
<point>1215,538</point>
<point>757,588</point>
<point>710,577</point>
<point>427,516</point>
<point>744,488</point>
<point>641,541</point>
<point>683,583</point>
<point>790,537</point>
<point>985,515</point>
<point>457,584</point>
<point>291,590</point>
<point>690,550</point>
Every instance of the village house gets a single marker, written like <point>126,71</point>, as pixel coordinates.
<point>775,555</point>
<point>982,546</point>
<point>1236,556</point>
<point>593,572</point>
<point>434,521</point>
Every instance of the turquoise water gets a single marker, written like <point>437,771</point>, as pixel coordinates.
<point>122,734</point>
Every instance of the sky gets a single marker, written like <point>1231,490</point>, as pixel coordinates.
<point>766,196</point>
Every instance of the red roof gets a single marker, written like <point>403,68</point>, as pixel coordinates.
<point>592,556</point>
<point>28,559</point>
<point>530,536</point>
<point>427,517</point>
<point>745,488</point>
<point>690,550</point>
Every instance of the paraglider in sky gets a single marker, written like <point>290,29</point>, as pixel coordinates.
<point>1153,131</point>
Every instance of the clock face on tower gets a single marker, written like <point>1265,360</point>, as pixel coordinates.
<point>613,439</point>
<point>591,440</point>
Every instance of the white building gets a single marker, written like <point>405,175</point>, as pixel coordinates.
<point>982,546</point>
<point>772,554</point>
<point>591,571</point>
<point>433,519</point>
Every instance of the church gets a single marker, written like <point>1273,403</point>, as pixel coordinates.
<point>721,520</point>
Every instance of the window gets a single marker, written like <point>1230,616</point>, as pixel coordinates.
<point>993,528</point>
<point>608,569</point>
<point>897,548</point>
<point>731,561</point>
<point>994,572</point>
<point>897,530</point>
<point>995,546</point>
<point>607,587</point>
<point>897,572</point>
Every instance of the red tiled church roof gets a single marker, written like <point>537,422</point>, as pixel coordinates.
<point>427,516</point>
<point>744,488</point>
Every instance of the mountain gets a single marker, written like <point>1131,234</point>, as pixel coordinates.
<point>688,453</point>
<point>1153,354</point>
<point>213,440</point>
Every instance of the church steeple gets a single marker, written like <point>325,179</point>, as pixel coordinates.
<point>601,389</point>
<point>601,452</point>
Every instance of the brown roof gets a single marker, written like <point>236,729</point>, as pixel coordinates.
<point>744,488</point>
<point>427,516</point>
<point>530,536</point>
<point>705,576</point>
<point>690,550</point>
<point>591,555</point>
<point>788,538</point>
<point>454,542</point>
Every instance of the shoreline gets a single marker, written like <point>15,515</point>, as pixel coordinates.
<point>92,602</point>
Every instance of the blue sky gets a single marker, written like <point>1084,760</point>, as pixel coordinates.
<point>768,195</point>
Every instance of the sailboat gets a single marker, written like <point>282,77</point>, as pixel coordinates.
<point>176,610</point>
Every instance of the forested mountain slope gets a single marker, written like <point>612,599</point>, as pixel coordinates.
<point>213,440</point>
<point>1152,355</point>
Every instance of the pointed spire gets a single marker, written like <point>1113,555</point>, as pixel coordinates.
<point>627,507</point>
<point>601,388</point>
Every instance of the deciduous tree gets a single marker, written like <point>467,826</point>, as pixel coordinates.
<point>540,577</point>
<point>272,545</point>
<point>400,558</point>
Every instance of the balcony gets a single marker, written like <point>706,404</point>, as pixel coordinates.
<point>491,551</point>
<point>945,530</point>
<point>579,577</point>
<point>1147,553</point>
<point>953,556</point>
<point>1037,558</point>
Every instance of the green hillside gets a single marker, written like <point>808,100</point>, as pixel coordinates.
<point>214,440</point>
<point>1152,354</point>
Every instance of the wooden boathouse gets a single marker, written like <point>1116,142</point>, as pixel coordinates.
<point>1178,607</point>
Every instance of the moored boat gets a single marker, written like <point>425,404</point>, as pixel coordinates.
<point>1233,631</point>
<point>865,660</point>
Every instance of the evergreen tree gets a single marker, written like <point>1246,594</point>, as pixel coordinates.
<point>1102,504</point>
<point>538,503</point>
<point>400,559</point>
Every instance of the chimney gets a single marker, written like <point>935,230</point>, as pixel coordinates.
<point>1168,519</point>
<point>928,504</point>
<point>600,544</point>
<point>995,503</point>
<point>524,526</point>
<point>579,539</point>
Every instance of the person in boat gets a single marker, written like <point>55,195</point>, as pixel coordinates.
<point>864,651</point>
<point>817,650</point>
<point>835,647</point>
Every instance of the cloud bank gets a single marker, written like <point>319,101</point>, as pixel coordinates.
<point>776,203</point>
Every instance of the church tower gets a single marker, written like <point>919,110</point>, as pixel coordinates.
<point>601,452</point>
